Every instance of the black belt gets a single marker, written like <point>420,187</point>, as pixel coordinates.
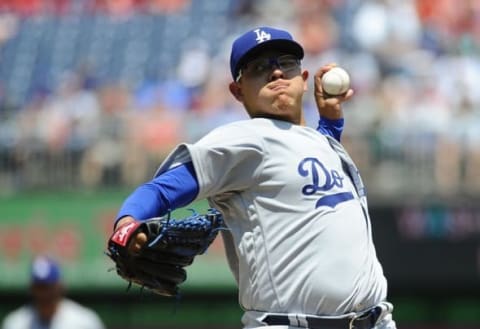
<point>365,320</point>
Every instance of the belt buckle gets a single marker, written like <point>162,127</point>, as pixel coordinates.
<point>351,324</point>
<point>362,316</point>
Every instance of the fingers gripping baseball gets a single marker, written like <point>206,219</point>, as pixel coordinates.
<point>329,106</point>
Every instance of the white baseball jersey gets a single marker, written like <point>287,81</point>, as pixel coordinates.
<point>69,315</point>
<point>300,238</point>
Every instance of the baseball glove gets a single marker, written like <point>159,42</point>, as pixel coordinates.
<point>171,245</point>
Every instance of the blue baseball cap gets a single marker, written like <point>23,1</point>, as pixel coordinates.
<point>249,44</point>
<point>44,270</point>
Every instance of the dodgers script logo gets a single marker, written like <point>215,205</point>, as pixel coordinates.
<point>322,179</point>
<point>262,35</point>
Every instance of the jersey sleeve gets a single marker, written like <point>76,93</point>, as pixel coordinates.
<point>94,320</point>
<point>172,189</point>
<point>20,318</point>
<point>333,128</point>
<point>229,159</point>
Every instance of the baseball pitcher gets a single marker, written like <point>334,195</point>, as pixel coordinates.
<point>288,200</point>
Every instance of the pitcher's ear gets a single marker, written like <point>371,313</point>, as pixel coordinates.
<point>236,91</point>
<point>305,75</point>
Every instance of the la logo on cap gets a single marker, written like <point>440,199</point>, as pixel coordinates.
<point>262,35</point>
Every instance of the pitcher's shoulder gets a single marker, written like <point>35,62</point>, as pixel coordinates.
<point>256,130</point>
<point>235,130</point>
<point>19,318</point>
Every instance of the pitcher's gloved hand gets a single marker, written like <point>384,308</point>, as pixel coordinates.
<point>158,263</point>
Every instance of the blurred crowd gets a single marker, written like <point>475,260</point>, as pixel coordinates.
<point>411,126</point>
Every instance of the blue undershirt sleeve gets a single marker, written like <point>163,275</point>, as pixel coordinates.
<point>331,127</point>
<point>172,189</point>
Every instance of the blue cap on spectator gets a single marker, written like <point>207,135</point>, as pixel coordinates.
<point>45,271</point>
<point>246,46</point>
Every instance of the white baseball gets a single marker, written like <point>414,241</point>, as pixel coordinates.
<point>336,81</point>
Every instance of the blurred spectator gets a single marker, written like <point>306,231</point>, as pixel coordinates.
<point>167,6</point>
<point>49,309</point>
<point>103,159</point>
<point>8,27</point>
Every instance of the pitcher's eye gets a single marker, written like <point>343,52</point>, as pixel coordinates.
<point>260,66</point>
<point>288,63</point>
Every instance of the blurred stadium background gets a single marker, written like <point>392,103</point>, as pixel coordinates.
<point>95,93</point>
